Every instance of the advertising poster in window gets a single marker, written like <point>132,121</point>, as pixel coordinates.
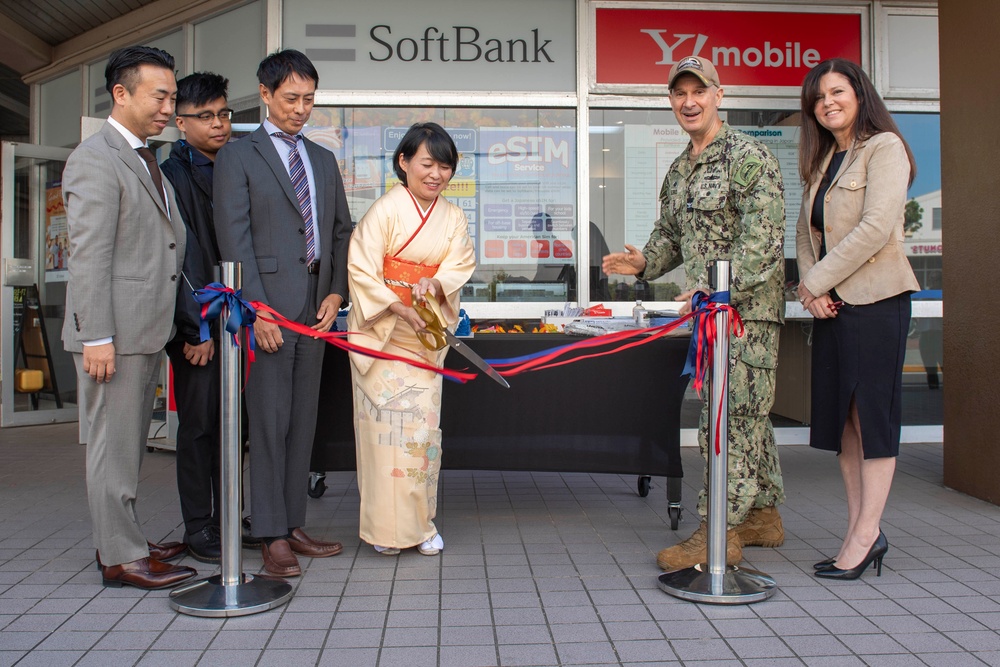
<point>651,149</point>
<point>359,156</point>
<point>56,236</point>
<point>527,196</point>
<point>461,191</point>
<point>783,142</point>
<point>649,152</point>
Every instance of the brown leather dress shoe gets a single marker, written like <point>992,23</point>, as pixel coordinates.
<point>145,573</point>
<point>307,546</point>
<point>279,559</point>
<point>166,551</point>
<point>160,552</point>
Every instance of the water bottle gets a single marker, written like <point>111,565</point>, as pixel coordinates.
<point>639,314</point>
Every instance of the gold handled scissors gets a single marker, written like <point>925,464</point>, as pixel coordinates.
<point>437,336</point>
<point>433,337</point>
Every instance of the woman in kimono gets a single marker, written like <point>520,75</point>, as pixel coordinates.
<point>411,244</point>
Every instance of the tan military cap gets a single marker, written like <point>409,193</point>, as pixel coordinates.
<point>700,67</point>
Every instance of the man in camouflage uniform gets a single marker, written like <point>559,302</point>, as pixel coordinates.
<point>723,199</point>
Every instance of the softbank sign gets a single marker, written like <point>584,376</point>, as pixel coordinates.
<point>454,45</point>
<point>748,48</point>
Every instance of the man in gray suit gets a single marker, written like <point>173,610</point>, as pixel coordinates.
<point>281,210</point>
<point>126,247</point>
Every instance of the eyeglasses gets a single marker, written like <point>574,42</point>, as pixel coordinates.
<point>208,116</point>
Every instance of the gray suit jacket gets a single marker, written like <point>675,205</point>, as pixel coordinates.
<point>258,222</point>
<point>125,251</point>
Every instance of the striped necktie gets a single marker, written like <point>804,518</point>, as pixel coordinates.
<point>149,157</point>
<point>300,184</point>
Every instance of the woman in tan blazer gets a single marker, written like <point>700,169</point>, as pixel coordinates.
<point>856,282</point>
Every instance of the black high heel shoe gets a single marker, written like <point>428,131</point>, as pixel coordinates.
<point>824,564</point>
<point>875,555</point>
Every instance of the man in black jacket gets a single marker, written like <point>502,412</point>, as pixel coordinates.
<point>203,115</point>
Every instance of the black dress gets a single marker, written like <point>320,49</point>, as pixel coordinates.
<point>858,354</point>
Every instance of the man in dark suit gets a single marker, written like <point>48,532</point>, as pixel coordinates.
<point>281,210</point>
<point>127,244</point>
<point>204,116</point>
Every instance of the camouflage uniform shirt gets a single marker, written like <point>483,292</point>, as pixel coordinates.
<point>726,204</point>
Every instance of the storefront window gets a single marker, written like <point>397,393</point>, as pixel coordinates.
<point>923,366</point>
<point>60,111</point>
<point>516,181</point>
<point>99,105</point>
<point>630,153</point>
<point>231,56</point>
<point>922,217</point>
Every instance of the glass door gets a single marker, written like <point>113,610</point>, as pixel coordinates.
<point>37,377</point>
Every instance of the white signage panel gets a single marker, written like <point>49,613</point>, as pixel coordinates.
<point>466,45</point>
<point>913,53</point>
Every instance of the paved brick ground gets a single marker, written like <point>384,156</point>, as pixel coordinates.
<point>539,569</point>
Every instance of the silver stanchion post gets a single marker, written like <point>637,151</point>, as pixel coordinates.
<point>715,582</point>
<point>230,593</point>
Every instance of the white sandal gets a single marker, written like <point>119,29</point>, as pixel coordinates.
<point>386,551</point>
<point>432,547</point>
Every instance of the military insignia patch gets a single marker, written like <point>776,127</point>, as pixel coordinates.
<point>747,172</point>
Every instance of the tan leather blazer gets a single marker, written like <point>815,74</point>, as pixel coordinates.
<point>863,225</point>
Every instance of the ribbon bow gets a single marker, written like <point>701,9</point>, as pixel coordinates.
<point>703,334</point>
<point>212,298</point>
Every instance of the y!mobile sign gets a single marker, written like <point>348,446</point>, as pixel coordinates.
<point>638,46</point>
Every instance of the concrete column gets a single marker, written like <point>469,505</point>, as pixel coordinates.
<point>970,180</point>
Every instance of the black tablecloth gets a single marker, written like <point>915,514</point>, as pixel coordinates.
<point>614,414</point>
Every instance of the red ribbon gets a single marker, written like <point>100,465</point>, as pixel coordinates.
<point>339,339</point>
<point>551,359</point>
<point>703,340</point>
<point>705,334</point>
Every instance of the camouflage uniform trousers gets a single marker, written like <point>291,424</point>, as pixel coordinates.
<point>754,473</point>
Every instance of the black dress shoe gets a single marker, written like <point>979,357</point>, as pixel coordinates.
<point>874,555</point>
<point>824,564</point>
<point>249,541</point>
<point>146,573</point>
<point>205,545</point>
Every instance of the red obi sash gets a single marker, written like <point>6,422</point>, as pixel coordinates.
<point>400,275</point>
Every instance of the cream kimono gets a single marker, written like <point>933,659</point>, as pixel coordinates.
<point>397,408</point>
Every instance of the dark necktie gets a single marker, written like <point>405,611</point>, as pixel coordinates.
<point>297,172</point>
<point>154,170</point>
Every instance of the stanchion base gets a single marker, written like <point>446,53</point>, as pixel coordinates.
<point>210,598</point>
<point>734,586</point>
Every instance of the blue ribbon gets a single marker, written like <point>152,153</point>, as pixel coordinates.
<point>511,361</point>
<point>241,314</point>
<point>699,306</point>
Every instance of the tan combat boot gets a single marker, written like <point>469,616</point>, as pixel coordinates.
<point>694,550</point>
<point>762,528</point>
